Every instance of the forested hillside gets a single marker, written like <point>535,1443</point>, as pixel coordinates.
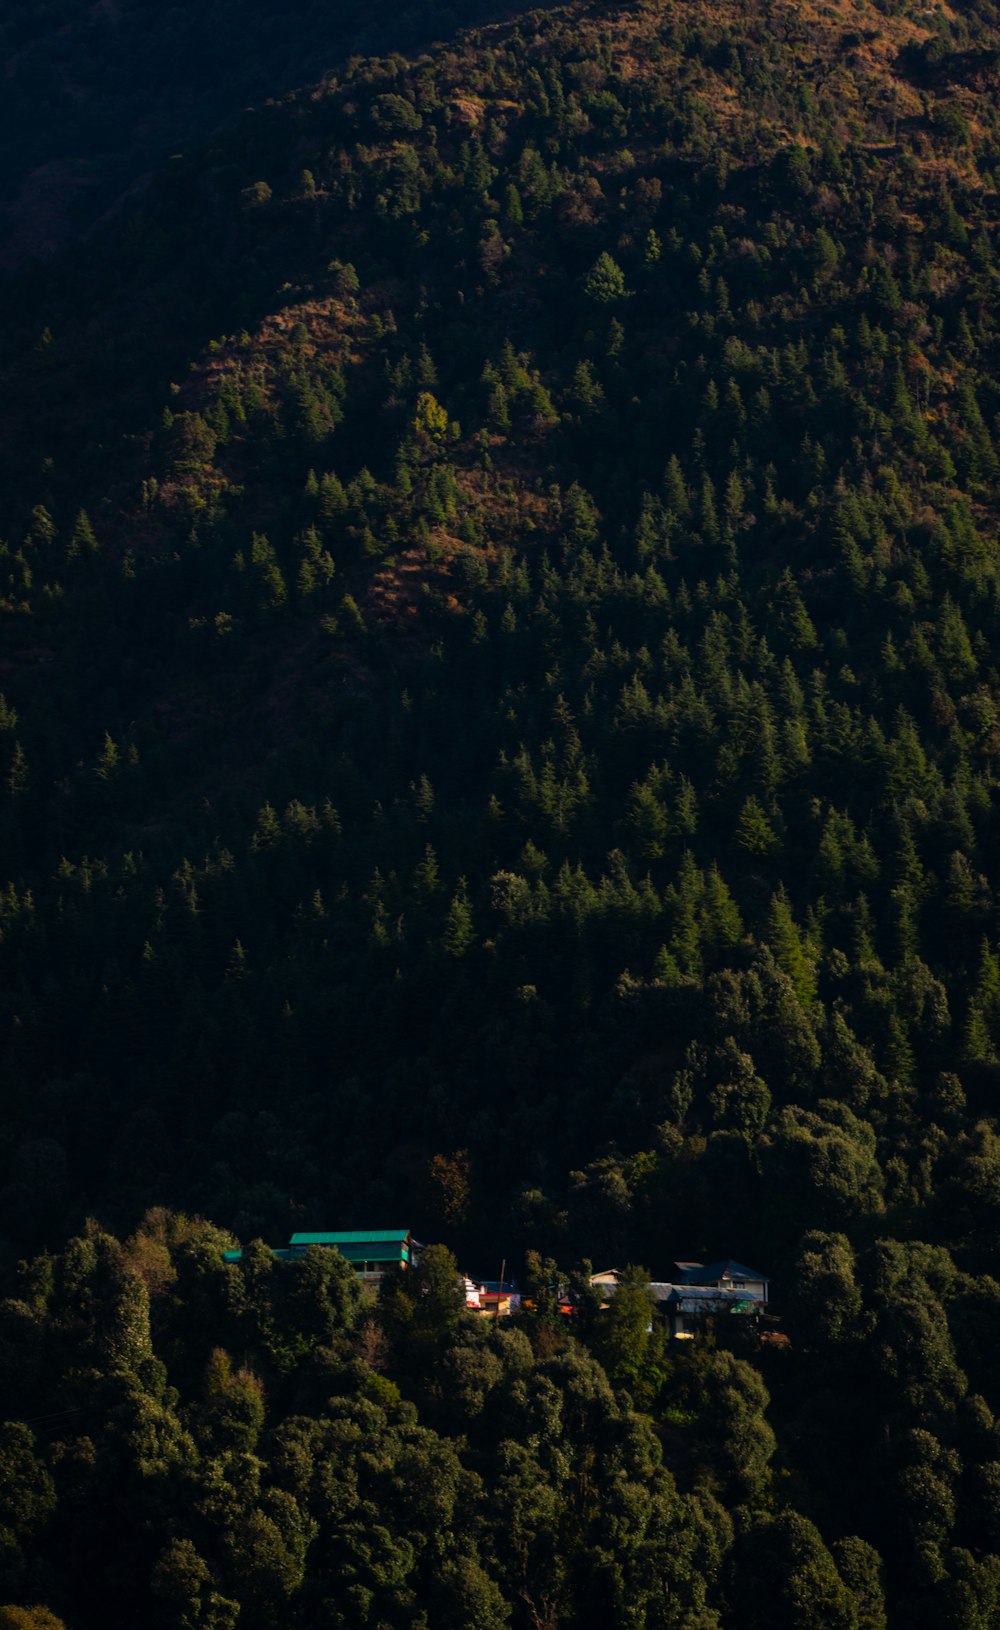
<point>97,95</point>
<point>500,733</point>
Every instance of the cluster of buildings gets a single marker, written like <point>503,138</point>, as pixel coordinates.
<point>697,1291</point>
<point>375,1252</point>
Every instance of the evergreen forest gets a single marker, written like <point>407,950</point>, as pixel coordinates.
<point>500,734</point>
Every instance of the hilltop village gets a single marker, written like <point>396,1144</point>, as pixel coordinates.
<point>697,1294</point>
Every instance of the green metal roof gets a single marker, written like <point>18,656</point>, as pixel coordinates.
<point>284,1253</point>
<point>382,1236</point>
<point>397,1251</point>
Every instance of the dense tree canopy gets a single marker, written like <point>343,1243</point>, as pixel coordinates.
<point>500,731</point>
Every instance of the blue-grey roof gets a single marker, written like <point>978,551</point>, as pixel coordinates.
<point>705,1295</point>
<point>691,1297</point>
<point>710,1273</point>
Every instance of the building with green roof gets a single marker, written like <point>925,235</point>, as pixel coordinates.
<point>371,1252</point>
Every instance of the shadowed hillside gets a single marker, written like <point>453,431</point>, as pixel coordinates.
<point>500,734</point>
<point>96,96</point>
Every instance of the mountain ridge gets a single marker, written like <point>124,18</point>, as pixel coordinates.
<point>501,732</point>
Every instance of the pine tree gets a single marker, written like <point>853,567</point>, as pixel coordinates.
<point>790,952</point>
<point>83,543</point>
<point>605,282</point>
<point>459,931</point>
<point>982,1027</point>
<point>754,832</point>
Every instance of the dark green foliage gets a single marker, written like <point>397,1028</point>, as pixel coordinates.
<point>499,580</point>
<point>96,100</point>
<point>605,282</point>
